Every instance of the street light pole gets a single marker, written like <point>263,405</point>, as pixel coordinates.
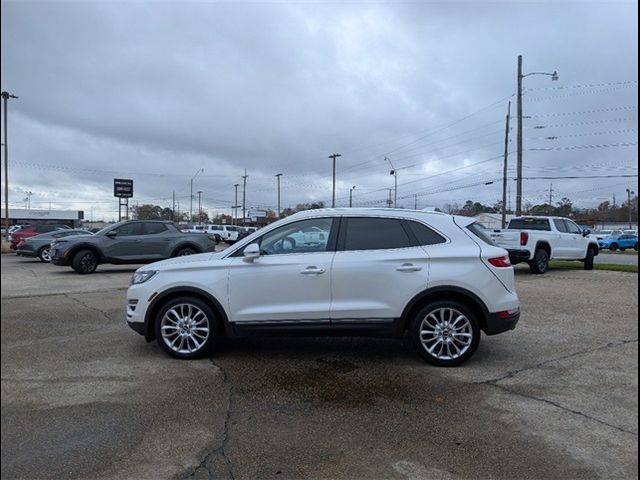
<point>333,196</point>
<point>278,175</point>
<point>244,196</point>
<point>394,172</point>
<point>191,195</point>
<point>6,96</point>
<point>235,205</point>
<point>351,196</point>
<point>199,207</point>
<point>554,77</point>
<point>629,193</point>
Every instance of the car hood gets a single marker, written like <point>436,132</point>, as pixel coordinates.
<point>187,261</point>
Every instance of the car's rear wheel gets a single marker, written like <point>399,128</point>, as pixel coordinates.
<point>445,333</point>
<point>613,247</point>
<point>85,261</point>
<point>185,327</point>
<point>540,262</point>
<point>588,261</point>
<point>44,254</point>
<point>185,251</point>
<point>635,247</point>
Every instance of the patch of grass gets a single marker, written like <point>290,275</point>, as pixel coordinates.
<point>602,266</point>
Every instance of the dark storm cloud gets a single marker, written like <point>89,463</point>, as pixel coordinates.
<point>157,90</point>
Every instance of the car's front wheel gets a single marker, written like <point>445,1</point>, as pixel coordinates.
<point>588,261</point>
<point>185,327</point>
<point>44,254</point>
<point>185,251</point>
<point>445,333</point>
<point>613,247</point>
<point>85,261</point>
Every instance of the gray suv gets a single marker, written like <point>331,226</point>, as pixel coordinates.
<point>138,241</point>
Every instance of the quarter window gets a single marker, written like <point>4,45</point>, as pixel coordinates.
<point>375,234</point>
<point>424,235</point>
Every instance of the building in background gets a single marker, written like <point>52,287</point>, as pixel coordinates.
<point>24,216</point>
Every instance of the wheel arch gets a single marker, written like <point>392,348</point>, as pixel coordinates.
<point>86,246</point>
<point>459,294</point>
<point>544,246</point>
<point>162,298</point>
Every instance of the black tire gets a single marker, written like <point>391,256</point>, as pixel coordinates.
<point>635,247</point>
<point>183,252</point>
<point>540,262</point>
<point>613,247</point>
<point>44,254</point>
<point>165,341</point>
<point>588,261</point>
<point>424,320</point>
<point>85,262</point>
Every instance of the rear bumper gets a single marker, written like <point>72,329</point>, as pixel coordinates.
<point>497,323</point>
<point>518,256</point>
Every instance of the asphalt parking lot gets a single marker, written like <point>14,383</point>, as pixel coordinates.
<point>83,396</point>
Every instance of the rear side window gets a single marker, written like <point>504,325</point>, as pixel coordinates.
<point>480,232</point>
<point>530,224</point>
<point>153,228</point>
<point>375,234</point>
<point>424,235</point>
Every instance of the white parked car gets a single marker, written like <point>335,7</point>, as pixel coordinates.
<point>536,240</point>
<point>602,234</point>
<point>376,272</point>
<point>227,233</point>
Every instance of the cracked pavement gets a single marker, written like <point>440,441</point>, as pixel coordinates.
<point>84,396</point>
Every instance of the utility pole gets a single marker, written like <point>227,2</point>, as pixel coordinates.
<point>629,193</point>
<point>390,201</point>
<point>415,201</point>
<point>28,199</point>
<point>6,96</point>
<point>191,195</point>
<point>278,175</point>
<point>554,77</point>
<point>333,196</point>
<point>199,207</point>
<point>351,196</point>
<point>504,174</point>
<point>550,198</point>
<point>235,205</point>
<point>173,207</point>
<point>244,195</point>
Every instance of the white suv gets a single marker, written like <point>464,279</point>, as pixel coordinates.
<point>372,271</point>
<point>227,233</point>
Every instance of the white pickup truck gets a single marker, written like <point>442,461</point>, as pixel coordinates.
<point>536,240</point>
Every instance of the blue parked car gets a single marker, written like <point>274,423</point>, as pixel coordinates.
<point>622,242</point>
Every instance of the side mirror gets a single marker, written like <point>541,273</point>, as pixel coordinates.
<point>586,232</point>
<point>251,252</point>
<point>112,234</point>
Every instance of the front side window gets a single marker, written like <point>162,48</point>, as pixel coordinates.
<point>296,237</point>
<point>128,230</point>
<point>375,234</point>
<point>560,225</point>
<point>572,227</point>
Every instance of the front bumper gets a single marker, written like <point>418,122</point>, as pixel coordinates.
<point>518,256</point>
<point>497,323</point>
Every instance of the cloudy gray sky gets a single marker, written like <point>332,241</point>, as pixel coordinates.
<point>154,91</point>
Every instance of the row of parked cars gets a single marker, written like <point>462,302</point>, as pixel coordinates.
<point>131,242</point>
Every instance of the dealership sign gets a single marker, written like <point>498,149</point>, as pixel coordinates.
<point>122,188</point>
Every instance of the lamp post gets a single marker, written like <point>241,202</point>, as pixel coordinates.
<point>191,195</point>
<point>28,199</point>
<point>6,96</point>
<point>199,207</point>
<point>351,196</point>
<point>278,175</point>
<point>629,193</point>
<point>521,76</point>
<point>394,172</point>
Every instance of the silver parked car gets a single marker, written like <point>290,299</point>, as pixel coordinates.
<point>137,241</point>
<point>40,245</point>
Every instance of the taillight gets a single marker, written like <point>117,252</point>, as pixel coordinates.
<point>500,262</point>
<point>524,238</point>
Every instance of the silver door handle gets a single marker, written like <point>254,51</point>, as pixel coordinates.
<point>408,267</point>
<point>312,271</point>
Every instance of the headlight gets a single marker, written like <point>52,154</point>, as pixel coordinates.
<point>143,276</point>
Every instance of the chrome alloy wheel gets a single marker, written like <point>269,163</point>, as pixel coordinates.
<point>46,254</point>
<point>446,333</point>
<point>185,328</point>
